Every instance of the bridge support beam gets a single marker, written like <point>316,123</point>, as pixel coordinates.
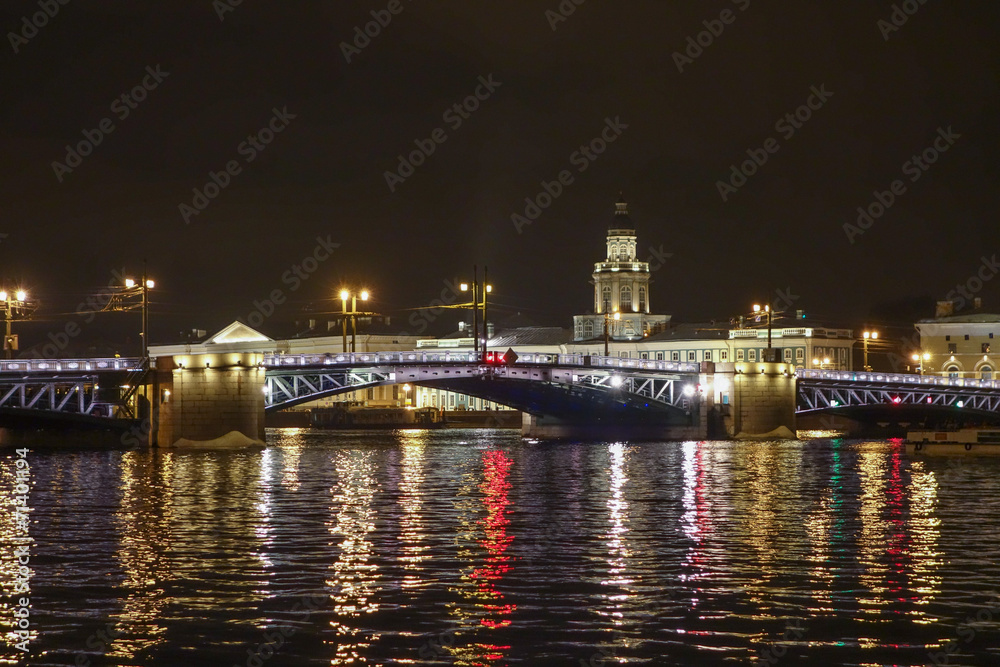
<point>763,400</point>
<point>547,428</point>
<point>222,393</point>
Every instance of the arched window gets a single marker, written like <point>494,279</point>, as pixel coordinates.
<point>642,299</point>
<point>952,371</point>
<point>588,329</point>
<point>986,373</point>
<point>625,299</point>
<point>614,252</point>
<point>606,299</point>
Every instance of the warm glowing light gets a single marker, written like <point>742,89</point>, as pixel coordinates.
<point>756,308</point>
<point>406,387</point>
<point>3,296</point>
<point>618,316</point>
<point>689,390</point>
<point>616,381</point>
<point>129,282</point>
<point>22,295</point>
<point>489,288</point>
<point>871,334</point>
<point>150,284</point>
<point>464,287</point>
<point>364,295</point>
<point>826,360</point>
<point>344,294</point>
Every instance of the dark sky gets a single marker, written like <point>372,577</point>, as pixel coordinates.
<point>323,175</point>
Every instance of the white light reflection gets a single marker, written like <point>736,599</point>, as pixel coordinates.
<point>353,580</point>
<point>411,489</point>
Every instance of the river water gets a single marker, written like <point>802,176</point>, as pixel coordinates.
<point>480,548</point>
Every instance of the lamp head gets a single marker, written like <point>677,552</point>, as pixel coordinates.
<point>22,295</point>
<point>344,295</point>
<point>464,287</point>
<point>364,295</point>
<point>129,282</point>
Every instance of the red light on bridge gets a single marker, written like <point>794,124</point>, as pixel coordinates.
<point>896,399</point>
<point>495,357</point>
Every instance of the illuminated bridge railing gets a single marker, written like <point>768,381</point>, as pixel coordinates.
<point>21,366</point>
<point>901,378</point>
<point>276,361</point>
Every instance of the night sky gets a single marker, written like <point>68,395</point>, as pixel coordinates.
<point>886,92</point>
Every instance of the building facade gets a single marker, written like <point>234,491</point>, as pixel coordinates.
<point>621,287</point>
<point>959,346</point>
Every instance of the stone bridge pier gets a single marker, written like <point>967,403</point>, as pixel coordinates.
<point>205,396</point>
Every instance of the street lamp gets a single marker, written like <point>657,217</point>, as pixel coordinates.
<point>767,310</point>
<point>607,318</point>
<point>918,357</point>
<point>130,297</point>
<point>479,291</point>
<point>12,304</point>
<point>821,364</point>
<point>353,296</point>
<point>868,335</point>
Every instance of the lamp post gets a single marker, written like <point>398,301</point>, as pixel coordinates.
<point>920,360</point>
<point>767,310</point>
<point>353,296</point>
<point>607,318</point>
<point>479,291</point>
<point>821,364</point>
<point>475,307</point>
<point>124,299</point>
<point>868,335</point>
<point>11,306</point>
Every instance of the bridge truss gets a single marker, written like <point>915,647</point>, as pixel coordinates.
<point>295,379</point>
<point>826,390</point>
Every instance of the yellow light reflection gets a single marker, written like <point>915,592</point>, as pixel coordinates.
<point>413,530</point>
<point>353,579</point>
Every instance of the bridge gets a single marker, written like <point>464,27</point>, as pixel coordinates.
<point>908,396</point>
<point>69,393</point>
<point>598,395</point>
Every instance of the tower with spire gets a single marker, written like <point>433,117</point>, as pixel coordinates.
<point>621,285</point>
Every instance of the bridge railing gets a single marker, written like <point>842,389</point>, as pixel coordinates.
<point>907,378</point>
<point>420,357</point>
<point>20,366</point>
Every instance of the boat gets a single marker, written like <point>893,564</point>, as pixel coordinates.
<point>367,418</point>
<point>960,441</point>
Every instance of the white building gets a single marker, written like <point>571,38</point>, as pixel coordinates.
<point>621,286</point>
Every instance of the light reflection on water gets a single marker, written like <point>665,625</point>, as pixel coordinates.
<point>477,548</point>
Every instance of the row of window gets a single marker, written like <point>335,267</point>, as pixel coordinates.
<point>624,299</point>
<point>625,252</point>
<point>985,373</point>
<point>966,336</point>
